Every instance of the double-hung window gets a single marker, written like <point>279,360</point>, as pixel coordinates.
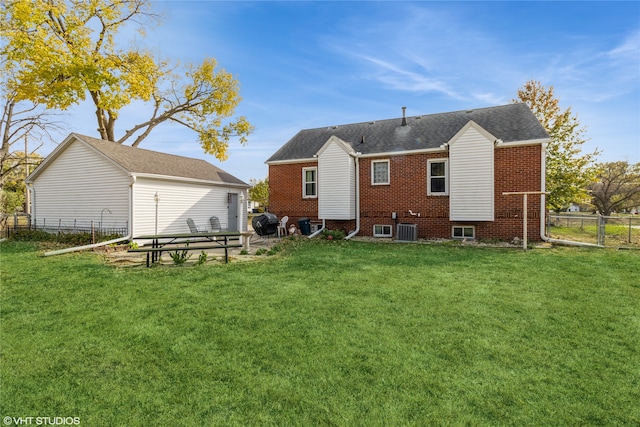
<point>309,182</point>
<point>380,172</point>
<point>437,177</point>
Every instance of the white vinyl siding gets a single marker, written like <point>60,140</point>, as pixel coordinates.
<point>81,186</point>
<point>177,202</point>
<point>336,182</point>
<point>380,172</point>
<point>471,184</point>
<point>77,185</point>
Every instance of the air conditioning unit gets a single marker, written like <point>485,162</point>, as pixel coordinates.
<point>407,232</point>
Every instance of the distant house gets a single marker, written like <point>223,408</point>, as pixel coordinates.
<point>446,173</point>
<point>112,186</point>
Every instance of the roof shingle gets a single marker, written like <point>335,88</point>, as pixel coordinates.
<point>138,160</point>
<point>512,122</point>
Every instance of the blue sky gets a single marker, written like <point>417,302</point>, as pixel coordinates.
<point>312,64</point>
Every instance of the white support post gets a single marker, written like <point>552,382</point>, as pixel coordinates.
<point>525,214</point>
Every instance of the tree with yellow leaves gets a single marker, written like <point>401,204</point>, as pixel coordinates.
<point>569,171</point>
<point>25,126</point>
<point>259,192</point>
<point>63,53</point>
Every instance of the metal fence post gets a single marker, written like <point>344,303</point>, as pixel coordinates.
<point>601,230</point>
<point>548,233</point>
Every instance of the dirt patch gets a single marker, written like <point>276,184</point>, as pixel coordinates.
<point>258,246</point>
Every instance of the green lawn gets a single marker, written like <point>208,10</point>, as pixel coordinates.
<point>337,334</point>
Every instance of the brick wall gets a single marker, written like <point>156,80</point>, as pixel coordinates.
<point>516,169</point>
<point>285,192</point>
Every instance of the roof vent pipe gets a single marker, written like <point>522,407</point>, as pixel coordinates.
<point>404,119</point>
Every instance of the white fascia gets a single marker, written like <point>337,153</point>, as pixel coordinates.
<point>291,161</point>
<point>542,141</point>
<point>189,180</point>
<point>404,152</point>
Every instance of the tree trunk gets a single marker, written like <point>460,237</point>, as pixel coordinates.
<point>7,117</point>
<point>111,126</point>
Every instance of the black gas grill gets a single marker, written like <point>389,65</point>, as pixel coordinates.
<point>265,224</point>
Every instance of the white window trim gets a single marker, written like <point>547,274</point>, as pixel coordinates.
<point>473,232</point>
<point>388,172</point>
<point>382,234</point>
<point>304,183</point>
<point>446,177</point>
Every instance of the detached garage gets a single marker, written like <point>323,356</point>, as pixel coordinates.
<point>119,187</point>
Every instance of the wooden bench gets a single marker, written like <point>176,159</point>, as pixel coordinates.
<point>202,241</point>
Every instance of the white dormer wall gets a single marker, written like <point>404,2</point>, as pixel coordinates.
<point>336,181</point>
<point>471,169</point>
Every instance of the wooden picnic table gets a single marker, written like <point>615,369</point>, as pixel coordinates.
<point>183,241</point>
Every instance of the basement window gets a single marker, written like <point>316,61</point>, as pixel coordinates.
<point>381,231</point>
<point>460,232</point>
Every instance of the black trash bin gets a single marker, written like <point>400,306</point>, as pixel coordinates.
<point>305,226</point>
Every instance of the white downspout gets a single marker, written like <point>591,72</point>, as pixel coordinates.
<point>32,197</point>
<point>357,230</point>
<point>108,242</point>
<point>318,231</point>
<point>543,210</point>
<point>82,248</point>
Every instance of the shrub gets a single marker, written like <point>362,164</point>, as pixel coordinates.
<point>71,239</point>
<point>179,256</point>
<point>333,234</point>
<point>32,236</point>
<point>274,250</point>
<point>202,258</point>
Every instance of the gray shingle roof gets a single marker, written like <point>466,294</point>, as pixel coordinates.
<point>512,122</point>
<point>138,160</point>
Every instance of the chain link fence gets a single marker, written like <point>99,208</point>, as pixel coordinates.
<point>609,231</point>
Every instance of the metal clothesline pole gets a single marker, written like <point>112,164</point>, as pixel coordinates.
<point>524,212</point>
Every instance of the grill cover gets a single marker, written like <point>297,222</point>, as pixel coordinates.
<point>265,224</point>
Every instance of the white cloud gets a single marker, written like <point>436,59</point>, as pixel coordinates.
<point>401,79</point>
<point>629,49</point>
